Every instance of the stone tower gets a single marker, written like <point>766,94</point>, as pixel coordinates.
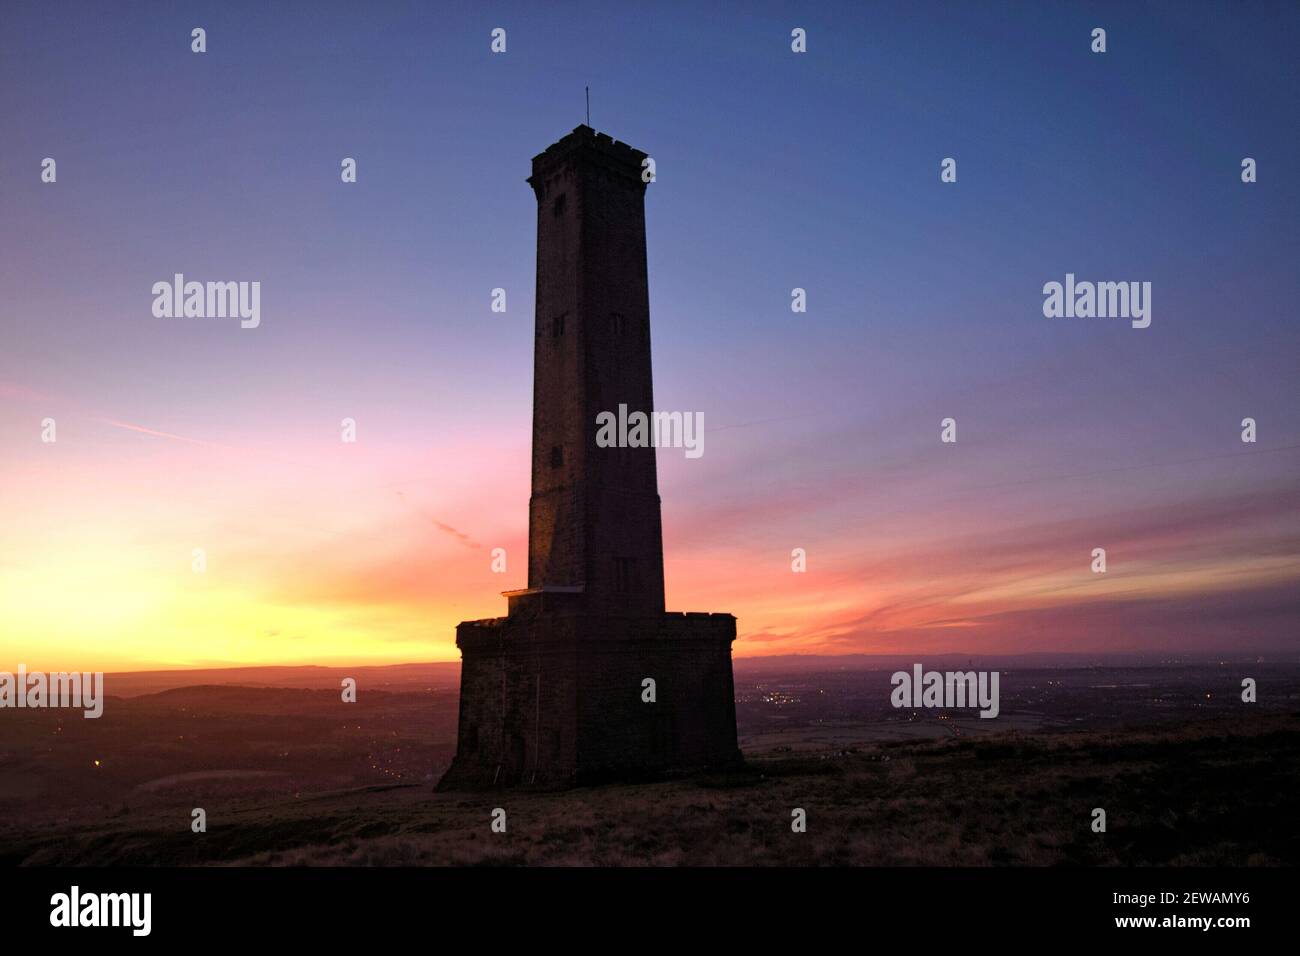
<point>556,692</point>
<point>593,521</point>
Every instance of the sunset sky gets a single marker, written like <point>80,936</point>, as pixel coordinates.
<point>775,170</point>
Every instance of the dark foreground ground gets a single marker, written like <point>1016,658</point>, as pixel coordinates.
<point>288,773</point>
<point>1217,791</point>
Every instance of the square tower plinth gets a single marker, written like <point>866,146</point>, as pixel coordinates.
<point>588,678</point>
<point>563,698</point>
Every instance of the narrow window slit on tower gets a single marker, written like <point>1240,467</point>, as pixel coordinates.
<point>624,574</point>
<point>557,325</point>
<point>557,456</point>
<point>557,208</point>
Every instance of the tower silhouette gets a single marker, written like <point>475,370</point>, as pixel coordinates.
<point>593,519</point>
<point>587,678</point>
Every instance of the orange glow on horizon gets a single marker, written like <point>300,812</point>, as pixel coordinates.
<point>324,553</point>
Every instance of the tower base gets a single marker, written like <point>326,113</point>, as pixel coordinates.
<point>550,696</point>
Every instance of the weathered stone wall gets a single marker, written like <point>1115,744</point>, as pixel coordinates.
<point>594,515</point>
<point>558,698</point>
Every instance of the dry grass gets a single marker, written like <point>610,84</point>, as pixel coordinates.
<point>1220,793</point>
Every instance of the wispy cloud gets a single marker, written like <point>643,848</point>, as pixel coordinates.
<point>141,429</point>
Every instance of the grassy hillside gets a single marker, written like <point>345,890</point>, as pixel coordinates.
<point>1219,792</point>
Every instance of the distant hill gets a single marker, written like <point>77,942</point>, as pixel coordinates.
<point>391,677</point>
<point>444,674</point>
